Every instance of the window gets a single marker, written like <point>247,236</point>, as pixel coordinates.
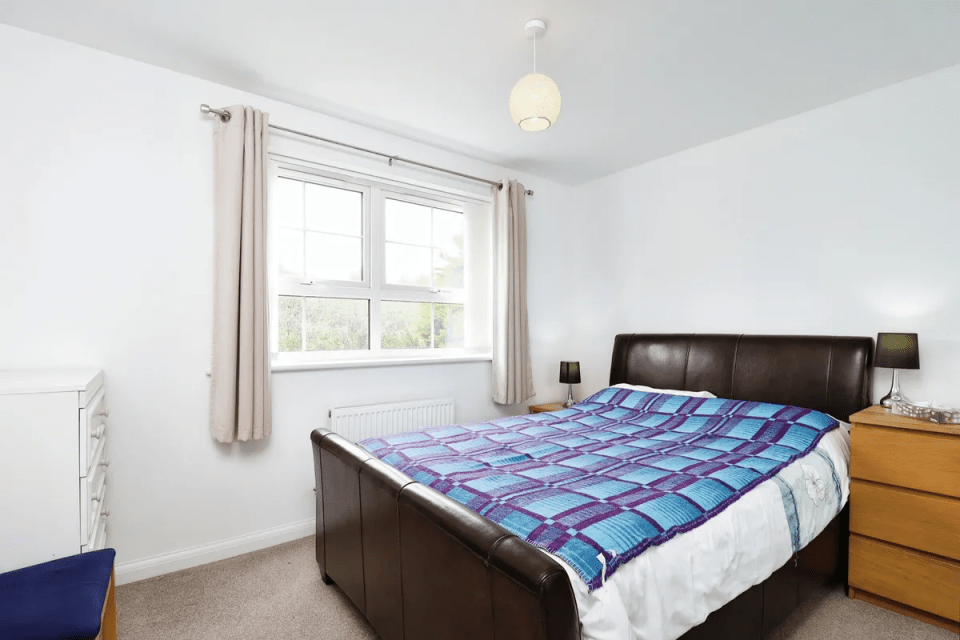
<point>368,269</point>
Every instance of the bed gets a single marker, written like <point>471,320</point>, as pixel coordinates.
<point>420,565</point>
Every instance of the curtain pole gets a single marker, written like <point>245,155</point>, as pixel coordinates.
<point>225,116</point>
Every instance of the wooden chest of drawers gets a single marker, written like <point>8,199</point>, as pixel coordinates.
<point>905,516</point>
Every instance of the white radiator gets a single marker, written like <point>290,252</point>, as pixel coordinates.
<point>376,420</point>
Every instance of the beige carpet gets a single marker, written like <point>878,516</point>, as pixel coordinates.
<point>277,593</point>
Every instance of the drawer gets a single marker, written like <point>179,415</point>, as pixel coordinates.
<point>93,423</point>
<point>99,539</point>
<point>913,459</point>
<point>93,490</point>
<point>917,520</point>
<point>100,542</point>
<point>909,577</point>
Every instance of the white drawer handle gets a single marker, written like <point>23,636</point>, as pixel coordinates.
<point>105,463</point>
<point>106,512</point>
<point>99,496</point>
<point>99,432</point>
<point>105,413</point>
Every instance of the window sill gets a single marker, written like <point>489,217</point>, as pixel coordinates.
<point>380,362</point>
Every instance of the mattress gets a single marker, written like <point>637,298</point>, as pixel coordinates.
<point>673,587</point>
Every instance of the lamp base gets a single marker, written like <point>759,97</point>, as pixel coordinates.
<point>895,394</point>
<point>569,402</point>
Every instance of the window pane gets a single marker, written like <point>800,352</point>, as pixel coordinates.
<point>447,269</point>
<point>448,230</point>
<point>337,324</point>
<point>405,325</point>
<point>291,325</point>
<point>288,200</point>
<point>334,257</point>
<point>407,264</point>
<point>334,210</point>
<point>448,325</point>
<point>406,222</point>
<point>290,252</point>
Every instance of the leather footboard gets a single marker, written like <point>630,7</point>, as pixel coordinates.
<point>421,566</point>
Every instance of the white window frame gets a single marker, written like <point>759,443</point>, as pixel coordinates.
<point>373,286</point>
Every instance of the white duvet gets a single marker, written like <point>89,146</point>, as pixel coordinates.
<point>668,589</point>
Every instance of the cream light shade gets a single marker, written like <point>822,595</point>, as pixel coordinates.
<point>535,102</point>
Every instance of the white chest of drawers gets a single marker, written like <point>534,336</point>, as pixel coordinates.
<point>54,499</point>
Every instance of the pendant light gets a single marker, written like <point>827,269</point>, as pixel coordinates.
<point>535,99</point>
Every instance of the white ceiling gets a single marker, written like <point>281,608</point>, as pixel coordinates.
<point>640,79</point>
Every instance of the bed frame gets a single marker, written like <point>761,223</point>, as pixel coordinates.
<point>420,566</point>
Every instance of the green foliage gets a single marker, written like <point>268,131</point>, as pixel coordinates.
<point>448,325</point>
<point>336,324</point>
<point>409,325</point>
<point>405,325</point>
<point>448,318</point>
<point>291,326</point>
<point>333,324</point>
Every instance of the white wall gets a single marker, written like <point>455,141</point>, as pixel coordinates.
<point>106,259</point>
<point>572,283</point>
<point>844,221</point>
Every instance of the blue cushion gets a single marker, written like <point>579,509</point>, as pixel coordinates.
<point>58,600</point>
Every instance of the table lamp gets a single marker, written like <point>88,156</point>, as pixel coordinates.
<point>896,351</point>
<point>569,375</point>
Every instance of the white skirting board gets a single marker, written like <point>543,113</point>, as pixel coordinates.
<point>196,556</point>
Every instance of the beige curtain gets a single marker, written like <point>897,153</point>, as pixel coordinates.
<point>240,390</point>
<point>512,372</point>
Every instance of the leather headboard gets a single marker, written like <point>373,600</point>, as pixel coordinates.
<point>826,373</point>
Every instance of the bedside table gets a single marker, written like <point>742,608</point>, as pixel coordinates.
<point>541,408</point>
<point>905,516</point>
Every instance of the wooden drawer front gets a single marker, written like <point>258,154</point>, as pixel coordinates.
<point>908,577</point>
<point>917,520</point>
<point>913,459</point>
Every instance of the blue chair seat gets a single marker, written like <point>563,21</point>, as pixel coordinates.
<point>58,600</point>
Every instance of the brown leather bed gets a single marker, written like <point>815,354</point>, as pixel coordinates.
<point>420,566</point>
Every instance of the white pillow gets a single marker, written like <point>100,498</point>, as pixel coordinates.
<point>673,392</point>
<point>845,425</point>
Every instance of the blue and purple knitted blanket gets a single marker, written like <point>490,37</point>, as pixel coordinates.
<point>624,470</point>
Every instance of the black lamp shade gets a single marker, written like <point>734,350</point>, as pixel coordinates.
<point>570,372</point>
<point>897,351</point>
